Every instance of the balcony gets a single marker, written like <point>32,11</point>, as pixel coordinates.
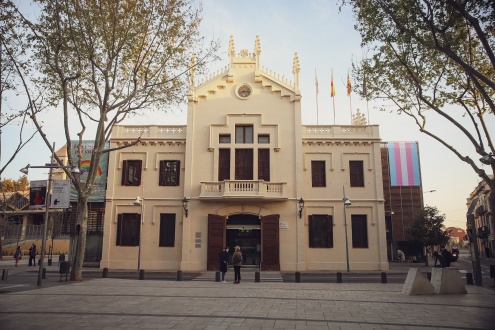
<point>244,189</point>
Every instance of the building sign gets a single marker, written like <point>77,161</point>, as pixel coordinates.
<point>100,183</point>
<point>60,194</point>
<point>37,194</point>
<point>283,225</point>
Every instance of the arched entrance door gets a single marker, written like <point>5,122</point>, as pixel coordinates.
<point>258,239</point>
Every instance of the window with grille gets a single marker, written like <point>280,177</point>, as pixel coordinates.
<point>224,138</point>
<point>244,164</point>
<point>320,231</point>
<point>263,139</point>
<point>224,164</point>
<point>244,134</point>
<point>131,172</point>
<point>128,229</point>
<point>318,177</point>
<point>356,173</point>
<point>264,164</point>
<point>359,231</point>
<point>169,173</point>
<point>167,229</point>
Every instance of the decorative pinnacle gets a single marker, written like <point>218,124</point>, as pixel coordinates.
<point>295,66</point>
<point>257,46</point>
<point>231,47</point>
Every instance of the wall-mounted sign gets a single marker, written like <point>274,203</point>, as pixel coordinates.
<point>60,194</point>
<point>37,194</point>
<point>283,225</point>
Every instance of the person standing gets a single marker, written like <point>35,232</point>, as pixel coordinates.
<point>224,262</point>
<point>17,255</point>
<point>401,256</point>
<point>237,262</point>
<point>32,255</point>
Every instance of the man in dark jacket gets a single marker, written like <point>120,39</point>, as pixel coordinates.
<point>32,255</point>
<point>223,258</point>
<point>446,255</point>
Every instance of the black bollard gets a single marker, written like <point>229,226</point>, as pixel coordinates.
<point>469,278</point>
<point>339,277</point>
<point>105,272</point>
<point>179,275</point>
<point>49,261</point>
<point>298,277</point>
<point>217,276</point>
<point>43,273</point>
<point>141,274</point>
<point>428,276</point>
<point>5,274</point>
<point>384,277</point>
<point>257,277</point>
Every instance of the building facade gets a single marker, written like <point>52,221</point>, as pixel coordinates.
<point>479,208</point>
<point>245,171</point>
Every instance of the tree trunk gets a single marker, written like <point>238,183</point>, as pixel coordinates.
<point>81,229</point>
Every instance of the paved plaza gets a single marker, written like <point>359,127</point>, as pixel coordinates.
<point>132,304</point>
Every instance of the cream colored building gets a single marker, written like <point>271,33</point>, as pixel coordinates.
<point>244,162</point>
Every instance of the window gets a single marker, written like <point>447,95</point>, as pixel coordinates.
<point>131,172</point>
<point>167,229</point>
<point>244,164</point>
<point>356,173</point>
<point>244,134</point>
<point>359,231</point>
<point>128,229</point>
<point>224,138</point>
<point>263,139</point>
<point>169,173</point>
<point>318,173</point>
<point>320,231</point>
<point>264,164</point>
<point>224,164</point>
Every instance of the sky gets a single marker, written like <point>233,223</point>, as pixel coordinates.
<point>325,40</point>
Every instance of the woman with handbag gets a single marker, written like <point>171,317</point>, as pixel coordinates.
<point>237,262</point>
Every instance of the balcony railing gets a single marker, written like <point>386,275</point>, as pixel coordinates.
<point>243,189</point>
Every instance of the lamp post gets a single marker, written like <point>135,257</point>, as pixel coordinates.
<point>25,170</point>
<point>347,202</point>
<point>139,202</point>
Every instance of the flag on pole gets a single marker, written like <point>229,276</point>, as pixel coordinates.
<point>349,86</point>
<point>316,82</point>
<point>332,87</point>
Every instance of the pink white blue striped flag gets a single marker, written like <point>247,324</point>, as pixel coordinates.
<point>403,161</point>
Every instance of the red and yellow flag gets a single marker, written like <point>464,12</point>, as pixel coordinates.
<point>349,86</point>
<point>332,87</point>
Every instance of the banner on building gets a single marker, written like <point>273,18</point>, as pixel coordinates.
<point>37,194</point>
<point>99,187</point>
<point>403,158</point>
<point>60,194</point>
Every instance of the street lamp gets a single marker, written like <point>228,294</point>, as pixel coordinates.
<point>139,202</point>
<point>25,170</point>
<point>488,159</point>
<point>185,205</point>
<point>347,202</point>
<point>301,207</point>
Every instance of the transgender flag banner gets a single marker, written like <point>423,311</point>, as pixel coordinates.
<point>403,161</point>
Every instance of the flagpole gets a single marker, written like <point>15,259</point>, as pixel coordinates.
<point>316,85</point>
<point>333,99</point>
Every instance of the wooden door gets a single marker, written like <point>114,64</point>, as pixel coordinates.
<point>216,240</point>
<point>270,247</point>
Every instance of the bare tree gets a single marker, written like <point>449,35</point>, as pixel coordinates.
<point>99,62</point>
<point>435,58</point>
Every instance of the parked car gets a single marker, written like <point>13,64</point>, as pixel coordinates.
<point>455,254</point>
